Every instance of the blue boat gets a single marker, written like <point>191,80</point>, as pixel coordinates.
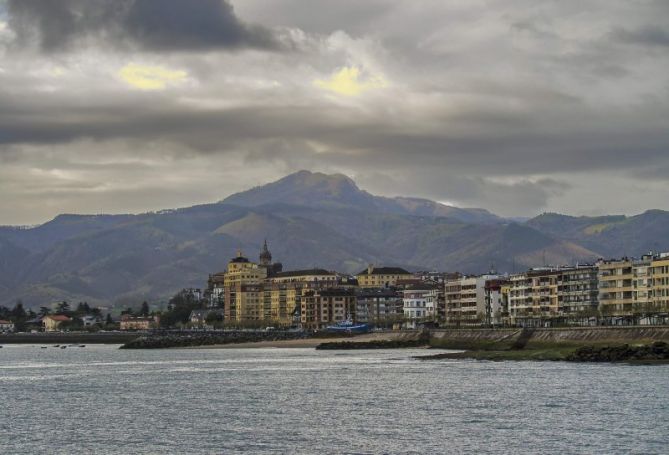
<point>348,326</point>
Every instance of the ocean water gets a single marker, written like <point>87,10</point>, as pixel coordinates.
<point>99,399</point>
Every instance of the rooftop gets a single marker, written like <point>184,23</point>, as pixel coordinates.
<point>57,317</point>
<point>385,271</point>
<point>306,272</point>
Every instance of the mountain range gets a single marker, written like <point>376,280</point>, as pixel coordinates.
<point>309,219</point>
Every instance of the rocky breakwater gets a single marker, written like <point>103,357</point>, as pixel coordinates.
<point>183,340</point>
<point>652,353</point>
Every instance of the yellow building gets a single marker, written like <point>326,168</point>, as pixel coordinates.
<point>243,290</point>
<point>52,322</point>
<point>623,286</point>
<point>659,283</point>
<point>379,277</point>
<point>288,287</point>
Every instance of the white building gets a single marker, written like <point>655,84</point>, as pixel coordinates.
<point>6,326</point>
<point>90,320</point>
<point>418,304</point>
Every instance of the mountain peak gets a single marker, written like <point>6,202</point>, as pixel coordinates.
<point>305,188</point>
<point>319,190</point>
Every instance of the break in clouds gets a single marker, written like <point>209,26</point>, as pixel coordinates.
<point>517,107</point>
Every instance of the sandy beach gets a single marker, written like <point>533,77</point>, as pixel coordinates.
<point>302,343</point>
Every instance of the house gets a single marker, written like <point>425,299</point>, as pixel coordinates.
<point>199,317</point>
<point>6,326</point>
<point>90,320</point>
<point>129,322</point>
<point>52,322</point>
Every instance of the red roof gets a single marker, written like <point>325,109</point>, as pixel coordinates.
<point>57,317</point>
<point>2,321</point>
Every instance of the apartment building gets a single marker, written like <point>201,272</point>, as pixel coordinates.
<point>623,285</point>
<point>243,290</point>
<point>418,304</point>
<point>659,283</point>
<point>379,305</point>
<point>468,301</point>
<point>552,292</point>
<point>323,307</point>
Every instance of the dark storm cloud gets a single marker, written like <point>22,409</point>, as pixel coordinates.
<point>499,145</point>
<point>156,25</point>
<point>645,36</point>
<point>516,107</point>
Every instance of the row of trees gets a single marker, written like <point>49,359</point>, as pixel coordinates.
<point>18,315</point>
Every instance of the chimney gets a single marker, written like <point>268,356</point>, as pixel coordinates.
<point>370,269</point>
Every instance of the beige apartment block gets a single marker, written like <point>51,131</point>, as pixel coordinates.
<point>323,307</point>
<point>623,285</point>
<point>244,294</point>
<point>659,283</point>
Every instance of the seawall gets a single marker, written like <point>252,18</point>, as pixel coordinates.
<point>497,339</point>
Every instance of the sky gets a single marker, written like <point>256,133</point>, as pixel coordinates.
<point>515,106</point>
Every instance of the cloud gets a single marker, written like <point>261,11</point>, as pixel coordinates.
<point>646,36</point>
<point>348,81</point>
<point>156,25</point>
<point>150,77</point>
<point>511,106</point>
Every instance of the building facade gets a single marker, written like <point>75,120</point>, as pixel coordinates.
<point>379,306</point>
<point>468,301</point>
<point>548,293</point>
<point>323,307</point>
<point>382,277</point>
<point>419,304</point>
<point>623,285</point>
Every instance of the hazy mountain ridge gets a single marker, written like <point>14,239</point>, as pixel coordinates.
<point>124,258</point>
<point>314,189</point>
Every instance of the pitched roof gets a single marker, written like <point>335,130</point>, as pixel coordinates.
<point>57,317</point>
<point>306,272</point>
<point>2,321</point>
<point>385,271</point>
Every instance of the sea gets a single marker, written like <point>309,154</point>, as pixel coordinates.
<point>99,399</point>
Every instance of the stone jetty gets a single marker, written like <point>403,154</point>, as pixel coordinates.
<point>655,352</point>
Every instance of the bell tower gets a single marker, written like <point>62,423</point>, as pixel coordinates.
<point>265,255</point>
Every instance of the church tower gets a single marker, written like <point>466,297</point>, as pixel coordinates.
<point>265,256</point>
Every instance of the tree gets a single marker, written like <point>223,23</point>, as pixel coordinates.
<point>43,311</point>
<point>63,307</point>
<point>144,311</point>
<point>18,312</point>
<point>179,308</point>
<point>109,319</point>
<point>83,308</point>
<point>213,318</point>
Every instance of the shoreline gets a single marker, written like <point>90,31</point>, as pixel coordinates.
<point>301,342</point>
